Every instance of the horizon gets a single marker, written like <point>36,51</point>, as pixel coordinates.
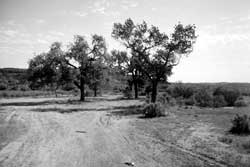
<point>220,82</point>
<point>221,53</point>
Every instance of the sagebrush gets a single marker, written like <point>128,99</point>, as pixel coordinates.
<point>153,110</point>
<point>240,125</point>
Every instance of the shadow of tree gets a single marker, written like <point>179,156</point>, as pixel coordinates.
<point>127,110</point>
<point>45,102</point>
<point>80,131</point>
<point>59,110</point>
<point>62,101</point>
<point>119,110</point>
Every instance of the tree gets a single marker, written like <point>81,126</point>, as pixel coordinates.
<point>35,71</point>
<point>81,57</point>
<point>155,53</point>
<point>96,75</point>
<point>127,65</point>
<point>47,69</point>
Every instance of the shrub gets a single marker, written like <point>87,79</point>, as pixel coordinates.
<point>240,103</point>
<point>127,93</point>
<point>15,87</point>
<point>203,98</point>
<point>164,98</point>
<point>153,110</point>
<point>240,125</point>
<point>24,88</point>
<point>180,90</point>
<point>219,101</point>
<point>116,89</point>
<point>190,101</point>
<point>161,98</point>
<point>3,86</point>
<point>230,95</point>
<point>180,101</point>
<point>225,139</point>
<point>246,146</point>
<point>68,87</point>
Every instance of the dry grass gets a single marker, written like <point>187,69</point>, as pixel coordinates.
<point>35,93</point>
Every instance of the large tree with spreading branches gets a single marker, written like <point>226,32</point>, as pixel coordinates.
<point>82,57</point>
<point>155,53</point>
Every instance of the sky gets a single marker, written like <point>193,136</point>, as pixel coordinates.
<point>221,52</point>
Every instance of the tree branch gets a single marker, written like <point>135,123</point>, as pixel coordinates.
<point>77,84</point>
<point>67,62</point>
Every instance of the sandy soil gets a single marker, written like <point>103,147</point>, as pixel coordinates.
<point>98,133</point>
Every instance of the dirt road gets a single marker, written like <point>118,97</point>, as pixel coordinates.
<point>92,134</point>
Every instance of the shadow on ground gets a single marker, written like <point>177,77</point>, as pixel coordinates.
<point>126,111</point>
<point>118,111</point>
<point>62,101</point>
<point>46,102</point>
<point>59,110</point>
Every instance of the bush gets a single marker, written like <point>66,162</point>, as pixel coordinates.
<point>3,86</point>
<point>190,101</point>
<point>246,146</point>
<point>153,110</point>
<point>240,125</point>
<point>24,88</point>
<point>230,95</point>
<point>240,103</point>
<point>180,90</point>
<point>225,139</point>
<point>15,87</point>
<point>204,98</point>
<point>165,98</point>
<point>127,93</point>
<point>68,87</point>
<point>180,101</point>
<point>161,98</point>
<point>219,101</point>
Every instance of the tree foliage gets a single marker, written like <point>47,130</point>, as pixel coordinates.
<point>82,57</point>
<point>46,69</point>
<point>155,53</point>
<point>127,66</point>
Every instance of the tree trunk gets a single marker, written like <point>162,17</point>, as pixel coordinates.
<point>154,91</point>
<point>136,89</point>
<point>82,98</point>
<point>56,93</point>
<point>95,90</point>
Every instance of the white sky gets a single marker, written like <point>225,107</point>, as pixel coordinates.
<point>221,53</point>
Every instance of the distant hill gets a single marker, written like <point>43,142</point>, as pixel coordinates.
<point>13,70</point>
<point>11,77</point>
<point>14,78</point>
<point>244,88</point>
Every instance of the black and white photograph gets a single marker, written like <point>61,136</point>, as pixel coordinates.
<point>124,83</point>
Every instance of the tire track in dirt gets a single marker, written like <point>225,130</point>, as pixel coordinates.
<point>167,146</point>
<point>52,140</point>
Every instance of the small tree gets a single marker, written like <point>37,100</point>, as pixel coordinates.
<point>230,95</point>
<point>155,53</point>
<point>81,56</point>
<point>96,76</point>
<point>45,69</point>
<point>127,65</point>
<point>204,98</point>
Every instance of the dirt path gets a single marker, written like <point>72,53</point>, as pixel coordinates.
<point>91,138</point>
<point>88,139</point>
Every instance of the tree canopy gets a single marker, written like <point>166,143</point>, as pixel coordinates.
<point>149,53</point>
<point>82,56</point>
<point>155,53</point>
